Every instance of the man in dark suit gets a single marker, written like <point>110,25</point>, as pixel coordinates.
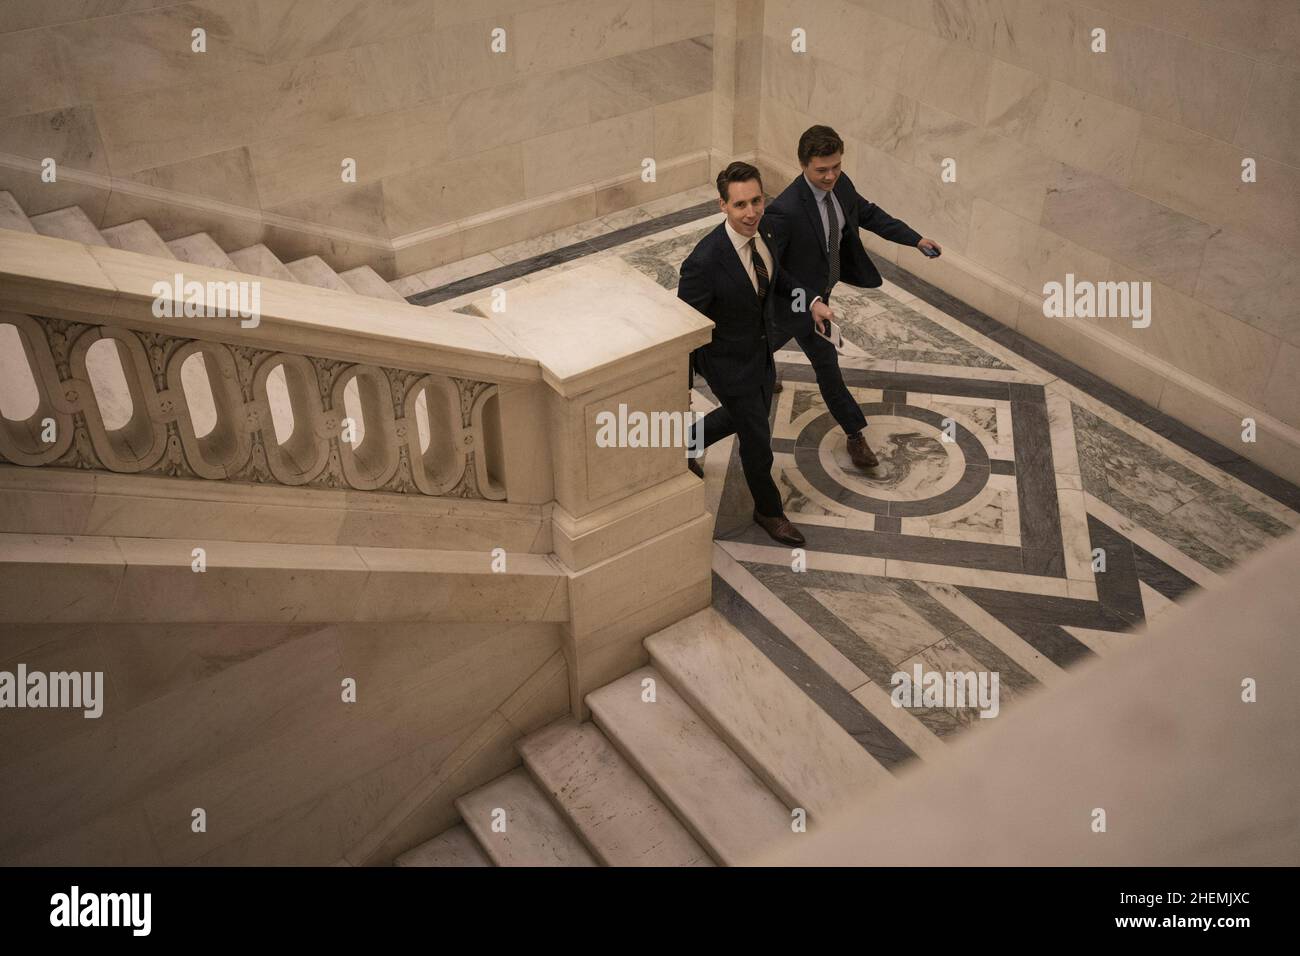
<point>733,277</point>
<point>815,222</point>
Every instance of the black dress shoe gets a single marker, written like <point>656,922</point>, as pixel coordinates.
<point>778,386</point>
<point>780,529</point>
<point>694,465</point>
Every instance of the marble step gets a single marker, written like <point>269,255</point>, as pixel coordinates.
<point>364,280</point>
<point>202,250</point>
<point>12,215</point>
<point>454,847</point>
<point>535,833</point>
<point>257,260</point>
<point>617,815</point>
<point>68,223</point>
<point>805,757</point>
<point>313,270</point>
<point>724,804</point>
<point>137,236</point>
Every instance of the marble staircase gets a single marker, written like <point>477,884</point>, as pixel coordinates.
<point>200,248</point>
<point>708,769</point>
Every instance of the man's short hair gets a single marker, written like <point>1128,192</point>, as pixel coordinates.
<point>819,141</point>
<point>737,172</point>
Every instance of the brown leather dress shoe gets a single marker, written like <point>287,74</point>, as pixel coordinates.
<point>861,453</point>
<point>780,529</point>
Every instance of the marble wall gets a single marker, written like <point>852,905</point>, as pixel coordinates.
<point>1122,166</point>
<point>248,723</point>
<point>458,149</point>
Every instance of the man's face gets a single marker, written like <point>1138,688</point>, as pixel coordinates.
<point>822,171</point>
<point>743,206</point>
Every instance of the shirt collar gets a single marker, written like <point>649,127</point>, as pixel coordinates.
<point>818,193</point>
<point>737,239</point>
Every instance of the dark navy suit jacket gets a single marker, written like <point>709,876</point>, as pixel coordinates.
<point>714,281</point>
<point>796,223</point>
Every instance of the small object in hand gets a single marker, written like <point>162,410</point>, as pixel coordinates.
<point>832,334</point>
<point>930,252</point>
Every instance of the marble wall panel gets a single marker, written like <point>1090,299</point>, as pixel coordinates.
<point>994,167</point>
<point>117,56</point>
<point>518,111</point>
<point>68,134</point>
<point>946,75</point>
<point>36,73</point>
<point>969,22</point>
<point>841,32</point>
<point>396,74</point>
<point>606,149</point>
<point>355,207</point>
<point>1282,389</point>
<point>293,168</point>
<point>674,178</point>
<point>294,29</point>
<point>460,56</point>
<point>1256,281</point>
<point>444,192</point>
<point>683,126</point>
<point>581,31</point>
<point>749,73</point>
<point>166,125</point>
<point>1108,219</point>
<point>1180,17</point>
<point>29,14</point>
<point>1026,253</point>
<point>682,19</point>
<point>644,78</point>
<point>1271,121</point>
<point>941,211</point>
<point>1189,82</point>
<point>1200,341</point>
<point>226,176</point>
<point>529,221</point>
<point>1201,176</point>
<point>1062,122</point>
<point>1263,29</point>
<point>778,136</point>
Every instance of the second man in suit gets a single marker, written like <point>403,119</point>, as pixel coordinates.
<point>815,223</point>
<point>733,277</point>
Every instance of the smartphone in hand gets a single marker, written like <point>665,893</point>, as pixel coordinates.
<point>831,335</point>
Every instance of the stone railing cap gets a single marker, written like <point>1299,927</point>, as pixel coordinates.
<point>596,322</point>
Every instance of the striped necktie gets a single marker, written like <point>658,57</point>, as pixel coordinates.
<point>832,245</point>
<point>760,270</point>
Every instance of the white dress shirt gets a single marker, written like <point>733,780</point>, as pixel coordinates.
<point>743,250</point>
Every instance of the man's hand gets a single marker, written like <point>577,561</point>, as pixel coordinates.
<point>822,315</point>
<point>932,246</point>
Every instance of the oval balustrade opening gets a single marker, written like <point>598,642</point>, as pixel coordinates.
<point>199,399</point>
<point>277,396</point>
<point>19,396</point>
<point>108,380</point>
<point>353,410</point>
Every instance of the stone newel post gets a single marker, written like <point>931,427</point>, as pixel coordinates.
<point>629,524</point>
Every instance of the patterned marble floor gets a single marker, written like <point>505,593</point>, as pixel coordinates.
<point>1007,476</point>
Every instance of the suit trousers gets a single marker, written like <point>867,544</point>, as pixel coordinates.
<point>830,380</point>
<point>746,416</point>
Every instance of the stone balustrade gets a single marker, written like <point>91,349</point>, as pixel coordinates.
<point>325,396</point>
<point>106,397</point>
